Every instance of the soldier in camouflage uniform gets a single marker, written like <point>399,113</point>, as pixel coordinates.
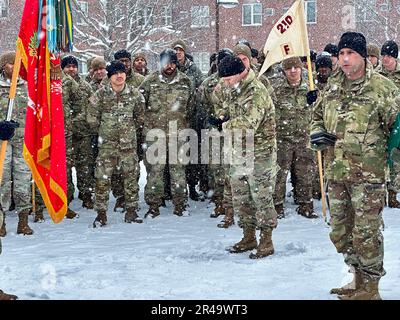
<point>332,49</point>
<point>359,107</point>
<point>250,107</point>
<point>140,64</point>
<point>187,67</point>
<point>219,175</point>
<point>82,136</point>
<point>374,56</point>
<point>7,131</point>
<point>293,116</point>
<point>168,95</point>
<point>391,69</point>
<point>134,80</point>
<point>116,112</point>
<point>16,182</point>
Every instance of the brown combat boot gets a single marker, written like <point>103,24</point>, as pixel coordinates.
<point>39,217</point>
<point>369,290</point>
<point>3,230</point>
<point>120,204</point>
<point>248,242</point>
<point>71,214</point>
<point>131,216</point>
<point>219,209</point>
<point>179,210</point>
<point>154,211</point>
<point>392,199</point>
<point>5,296</point>
<point>307,210</point>
<point>349,288</point>
<point>280,211</point>
<point>87,201</point>
<point>265,247</point>
<point>228,220</point>
<point>101,219</point>
<point>23,227</point>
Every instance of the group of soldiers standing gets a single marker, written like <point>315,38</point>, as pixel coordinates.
<point>110,113</point>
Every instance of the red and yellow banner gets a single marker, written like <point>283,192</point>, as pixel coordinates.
<point>44,146</point>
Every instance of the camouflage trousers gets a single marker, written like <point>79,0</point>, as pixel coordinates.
<point>220,183</point>
<point>123,162</point>
<point>84,163</point>
<point>252,194</point>
<point>154,189</point>
<point>301,160</point>
<point>17,180</point>
<point>356,219</point>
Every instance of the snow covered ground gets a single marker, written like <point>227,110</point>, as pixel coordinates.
<point>178,258</point>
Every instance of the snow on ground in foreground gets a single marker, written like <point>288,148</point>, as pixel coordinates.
<point>178,258</point>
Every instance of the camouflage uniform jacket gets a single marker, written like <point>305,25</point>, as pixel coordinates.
<point>360,114</point>
<point>167,99</point>
<point>392,75</point>
<point>80,96</point>
<point>19,109</point>
<point>117,117</point>
<point>69,88</point>
<point>249,106</point>
<point>293,115</point>
<point>207,100</point>
<point>134,80</point>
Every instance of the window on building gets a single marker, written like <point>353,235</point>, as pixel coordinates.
<point>269,12</point>
<point>252,14</point>
<point>200,16</point>
<point>311,10</point>
<point>365,11</point>
<point>145,16</point>
<point>167,16</point>
<point>84,11</point>
<point>4,6</point>
<point>202,60</point>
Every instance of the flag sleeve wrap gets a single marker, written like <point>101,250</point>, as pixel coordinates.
<point>44,144</point>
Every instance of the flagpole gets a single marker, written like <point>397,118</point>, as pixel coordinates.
<point>312,87</point>
<point>13,90</point>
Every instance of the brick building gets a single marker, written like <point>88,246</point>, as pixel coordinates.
<point>209,24</point>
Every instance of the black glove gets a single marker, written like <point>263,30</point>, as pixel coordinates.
<point>312,97</point>
<point>322,140</point>
<point>7,129</point>
<point>217,122</point>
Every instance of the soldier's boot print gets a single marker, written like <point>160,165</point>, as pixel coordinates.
<point>38,217</point>
<point>87,201</point>
<point>154,211</point>
<point>280,211</point>
<point>193,195</point>
<point>71,214</point>
<point>228,219</point>
<point>132,217</point>
<point>6,296</point>
<point>219,208</point>
<point>307,210</point>
<point>265,247</point>
<point>101,219</point>
<point>23,227</point>
<point>369,290</point>
<point>392,199</point>
<point>248,242</point>
<point>350,287</point>
<point>120,204</point>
